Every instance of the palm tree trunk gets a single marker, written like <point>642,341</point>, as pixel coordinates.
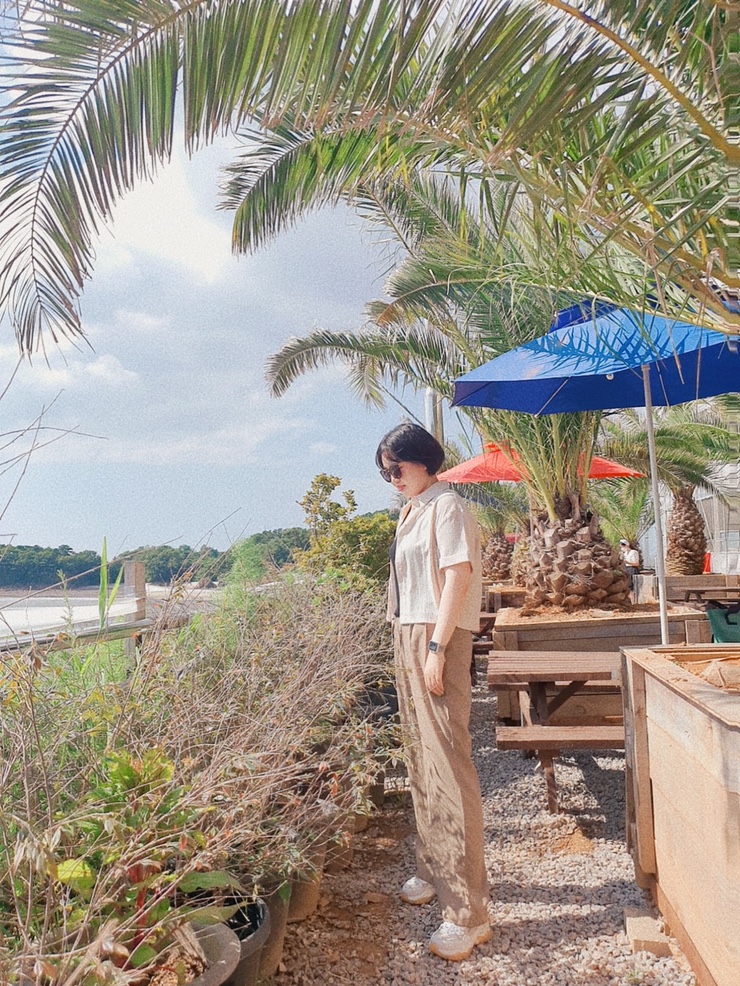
<point>686,536</point>
<point>573,565</point>
<point>497,557</point>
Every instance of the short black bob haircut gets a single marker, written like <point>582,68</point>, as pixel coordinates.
<point>411,443</point>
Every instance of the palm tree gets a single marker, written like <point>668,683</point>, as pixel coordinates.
<point>686,539</point>
<point>502,509</point>
<point>692,441</point>
<point>625,508</point>
<point>451,275</point>
<point>604,120</point>
<point>451,308</point>
<point>615,118</point>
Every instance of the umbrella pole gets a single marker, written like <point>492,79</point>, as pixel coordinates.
<point>660,553</point>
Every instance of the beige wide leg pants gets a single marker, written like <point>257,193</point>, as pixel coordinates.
<point>444,782</point>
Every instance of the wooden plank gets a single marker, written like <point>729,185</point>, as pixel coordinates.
<point>637,755</point>
<point>677,931</point>
<point>714,703</point>
<point>539,737</point>
<point>697,859</point>
<point>514,632</point>
<point>697,652</point>
<point>62,640</point>
<point>698,632</point>
<point>589,708</point>
<point>519,666</point>
<point>644,932</point>
<point>504,639</point>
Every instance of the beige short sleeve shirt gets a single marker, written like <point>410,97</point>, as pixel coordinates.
<point>435,530</point>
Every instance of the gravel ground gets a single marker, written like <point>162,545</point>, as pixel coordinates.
<point>559,885</point>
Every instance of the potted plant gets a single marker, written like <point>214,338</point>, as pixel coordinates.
<point>131,879</point>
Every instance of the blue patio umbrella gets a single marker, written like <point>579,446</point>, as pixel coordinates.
<point>599,357</point>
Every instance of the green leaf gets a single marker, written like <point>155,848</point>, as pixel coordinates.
<point>77,874</point>
<point>210,913</point>
<point>142,955</point>
<point>211,880</point>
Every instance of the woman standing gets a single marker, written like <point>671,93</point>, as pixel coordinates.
<point>434,604</point>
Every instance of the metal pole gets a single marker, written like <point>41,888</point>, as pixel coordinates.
<point>439,426</point>
<point>660,551</point>
<point>433,421</point>
<point>429,410</point>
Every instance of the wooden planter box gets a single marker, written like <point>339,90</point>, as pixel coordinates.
<point>584,633</point>
<point>683,802</point>
<point>578,633</point>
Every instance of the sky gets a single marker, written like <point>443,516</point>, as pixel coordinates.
<point>177,437</point>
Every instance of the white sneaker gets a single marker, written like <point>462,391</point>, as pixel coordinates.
<point>454,943</point>
<point>417,891</point>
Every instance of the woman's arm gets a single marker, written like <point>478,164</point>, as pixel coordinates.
<point>456,584</point>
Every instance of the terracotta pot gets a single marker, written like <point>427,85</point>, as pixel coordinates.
<point>306,888</point>
<point>252,927</point>
<point>222,949</point>
<point>340,850</point>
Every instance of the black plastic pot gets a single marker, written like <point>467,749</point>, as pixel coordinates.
<point>381,701</point>
<point>252,927</point>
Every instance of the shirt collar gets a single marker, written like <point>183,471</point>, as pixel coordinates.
<point>429,494</point>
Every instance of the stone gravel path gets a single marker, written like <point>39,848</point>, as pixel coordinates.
<point>559,885</point>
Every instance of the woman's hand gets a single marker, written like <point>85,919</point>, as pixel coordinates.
<point>457,579</point>
<point>434,670</point>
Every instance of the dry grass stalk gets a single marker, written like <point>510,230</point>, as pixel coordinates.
<point>257,710</point>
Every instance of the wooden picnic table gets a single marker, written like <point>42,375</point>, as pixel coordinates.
<point>719,594</point>
<point>498,596</point>
<point>559,675</point>
<point>487,621</point>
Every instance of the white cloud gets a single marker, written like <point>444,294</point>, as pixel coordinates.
<point>162,218</point>
<point>77,374</point>
<point>322,448</point>
<point>234,446</point>
<point>140,321</point>
<point>109,370</point>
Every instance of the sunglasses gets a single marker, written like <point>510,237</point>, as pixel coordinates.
<point>393,472</point>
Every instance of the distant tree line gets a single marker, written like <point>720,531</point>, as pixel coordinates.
<point>25,566</point>
<point>33,567</point>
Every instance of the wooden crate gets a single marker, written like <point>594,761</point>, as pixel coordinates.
<point>499,597</point>
<point>683,801</point>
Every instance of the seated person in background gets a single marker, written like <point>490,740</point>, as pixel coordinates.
<point>631,557</point>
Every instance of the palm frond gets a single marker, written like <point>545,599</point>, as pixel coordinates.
<point>498,89</point>
<point>420,357</point>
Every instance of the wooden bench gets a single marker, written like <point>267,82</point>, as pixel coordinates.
<point>555,738</point>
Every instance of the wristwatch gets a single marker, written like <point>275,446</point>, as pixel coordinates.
<point>434,647</point>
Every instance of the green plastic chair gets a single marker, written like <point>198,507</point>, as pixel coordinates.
<point>725,623</point>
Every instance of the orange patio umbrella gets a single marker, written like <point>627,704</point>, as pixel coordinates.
<point>495,467</point>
